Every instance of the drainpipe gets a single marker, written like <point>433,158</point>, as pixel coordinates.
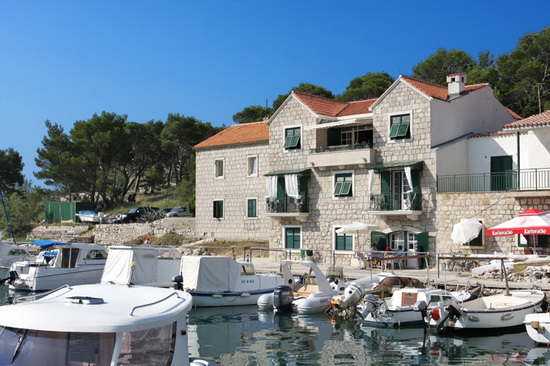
<point>518,144</point>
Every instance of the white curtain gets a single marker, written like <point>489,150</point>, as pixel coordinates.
<point>291,185</point>
<point>371,181</point>
<point>271,185</point>
<point>409,177</point>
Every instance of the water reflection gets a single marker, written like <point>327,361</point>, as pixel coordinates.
<point>244,336</point>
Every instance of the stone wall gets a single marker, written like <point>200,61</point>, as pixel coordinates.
<point>492,208</point>
<point>116,233</point>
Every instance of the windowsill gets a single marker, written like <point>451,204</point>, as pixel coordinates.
<point>289,150</point>
<point>343,198</point>
<point>252,176</point>
<point>219,178</point>
<point>394,141</point>
<point>251,218</point>
<point>340,251</point>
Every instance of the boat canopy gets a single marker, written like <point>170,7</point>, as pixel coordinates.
<point>126,265</point>
<point>209,273</point>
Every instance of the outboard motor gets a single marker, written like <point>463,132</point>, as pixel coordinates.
<point>12,277</point>
<point>178,282</point>
<point>352,296</point>
<point>422,306</point>
<point>282,298</point>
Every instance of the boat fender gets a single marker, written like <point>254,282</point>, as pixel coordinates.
<point>508,316</point>
<point>435,314</point>
<point>202,363</point>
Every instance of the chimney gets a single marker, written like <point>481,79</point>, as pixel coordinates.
<point>456,83</point>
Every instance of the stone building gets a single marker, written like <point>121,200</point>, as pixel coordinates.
<point>326,164</point>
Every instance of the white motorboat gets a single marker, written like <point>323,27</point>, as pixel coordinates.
<point>406,307</point>
<point>100,324</point>
<point>499,312</point>
<point>61,264</point>
<point>311,294</point>
<point>538,327</point>
<point>9,254</point>
<point>145,266</point>
<point>222,281</point>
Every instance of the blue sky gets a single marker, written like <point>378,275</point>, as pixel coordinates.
<point>65,60</point>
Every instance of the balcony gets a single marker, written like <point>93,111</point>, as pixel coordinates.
<point>288,207</point>
<point>404,204</point>
<point>341,155</point>
<point>525,183</point>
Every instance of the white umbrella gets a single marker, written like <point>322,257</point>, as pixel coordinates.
<point>466,230</point>
<point>357,227</point>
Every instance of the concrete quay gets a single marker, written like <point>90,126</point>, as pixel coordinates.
<point>431,276</point>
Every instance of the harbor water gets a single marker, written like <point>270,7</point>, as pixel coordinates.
<point>243,336</point>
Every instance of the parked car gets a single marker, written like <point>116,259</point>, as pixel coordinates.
<point>181,211</point>
<point>138,214</point>
<point>91,216</point>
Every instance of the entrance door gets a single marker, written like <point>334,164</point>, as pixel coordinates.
<point>501,173</point>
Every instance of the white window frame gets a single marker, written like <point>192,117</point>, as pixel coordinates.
<point>334,174</point>
<point>284,227</point>
<point>411,125</point>
<point>353,240</point>
<point>301,138</point>
<point>246,208</point>
<point>216,176</point>
<point>248,158</point>
<point>483,237</point>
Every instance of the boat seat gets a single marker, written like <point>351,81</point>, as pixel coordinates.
<point>305,290</point>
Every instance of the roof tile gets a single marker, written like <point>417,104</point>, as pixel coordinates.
<point>244,133</point>
<point>538,120</point>
<point>334,108</point>
<point>438,91</point>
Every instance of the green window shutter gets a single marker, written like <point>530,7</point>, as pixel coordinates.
<point>292,238</point>
<point>403,129</point>
<point>303,183</point>
<point>338,188</point>
<point>394,130</point>
<point>281,193</point>
<point>343,184</point>
<point>292,138</point>
<point>379,239</point>
<point>346,189</point>
<point>385,181</point>
<point>288,141</point>
<point>218,209</point>
<point>252,208</point>
<point>423,244</point>
<point>344,242</point>
<point>295,141</point>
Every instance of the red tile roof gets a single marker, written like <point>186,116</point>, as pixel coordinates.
<point>538,120</point>
<point>514,114</point>
<point>492,134</point>
<point>334,108</point>
<point>438,91</point>
<point>245,133</point>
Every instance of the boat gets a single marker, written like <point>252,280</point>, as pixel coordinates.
<point>408,306</point>
<point>8,255</point>
<point>59,264</point>
<point>501,312</point>
<point>99,324</point>
<point>138,265</point>
<point>223,281</point>
<point>538,327</point>
<point>311,293</point>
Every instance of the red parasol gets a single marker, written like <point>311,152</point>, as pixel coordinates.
<point>530,222</point>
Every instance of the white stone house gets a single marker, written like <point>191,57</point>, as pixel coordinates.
<point>330,163</point>
<point>507,172</point>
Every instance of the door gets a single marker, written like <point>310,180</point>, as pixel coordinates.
<point>401,189</point>
<point>501,173</point>
<point>411,251</point>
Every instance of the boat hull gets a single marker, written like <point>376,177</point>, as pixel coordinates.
<point>395,318</point>
<point>47,278</point>
<point>538,327</point>
<point>211,299</point>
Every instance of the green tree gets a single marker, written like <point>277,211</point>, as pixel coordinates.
<point>24,207</point>
<point>524,74</point>
<point>306,88</point>
<point>253,113</point>
<point>178,137</point>
<point>368,86</point>
<point>185,191</point>
<point>442,63</point>
<point>11,167</point>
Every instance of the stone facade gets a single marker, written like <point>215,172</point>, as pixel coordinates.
<point>234,189</point>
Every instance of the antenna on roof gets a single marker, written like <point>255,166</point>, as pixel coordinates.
<point>266,103</point>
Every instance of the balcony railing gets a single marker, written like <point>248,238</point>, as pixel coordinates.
<point>410,201</point>
<point>288,205</point>
<point>528,180</point>
<point>322,149</point>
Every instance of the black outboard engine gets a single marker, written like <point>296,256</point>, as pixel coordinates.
<point>282,298</point>
<point>178,282</point>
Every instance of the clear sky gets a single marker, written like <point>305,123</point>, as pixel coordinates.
<point>64,60</point>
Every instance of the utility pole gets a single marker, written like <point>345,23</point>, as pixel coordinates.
<point>538,92</point>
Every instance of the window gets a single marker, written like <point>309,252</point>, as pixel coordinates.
<point>343,184</point>
<point>342,241</point>
<point>478,241</point>
<point>400,127</point>
<point>251,208</point>
<point>218,168</point>
<point>218,209</point>
<point>292,138</point>
<point>252,166</point>
<point>292,237</point>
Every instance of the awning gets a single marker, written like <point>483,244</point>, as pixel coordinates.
<point>417,164</point>
<point>289,171</point>
<point>345,122</point>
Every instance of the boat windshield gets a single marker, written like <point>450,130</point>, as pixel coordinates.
<point>34,347</point>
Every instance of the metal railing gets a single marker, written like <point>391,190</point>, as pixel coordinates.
<point>334,148</point>
<point>409,201</point>
<point>527,179</point>
<point>287,205</point>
